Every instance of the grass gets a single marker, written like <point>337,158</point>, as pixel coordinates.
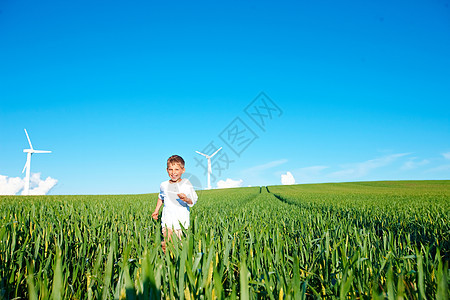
<point>364,240</point>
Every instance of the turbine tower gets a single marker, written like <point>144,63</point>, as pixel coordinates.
<point>29,152</point>
<point>209,165</point>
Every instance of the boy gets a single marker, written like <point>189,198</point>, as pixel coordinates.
<point>178,195</point>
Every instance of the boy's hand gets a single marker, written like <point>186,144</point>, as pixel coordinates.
<point>155,215</point>
<point>184,198</point>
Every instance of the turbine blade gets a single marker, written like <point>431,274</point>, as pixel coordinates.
<point>41,151</point>
<point>202,154</point>
<point>27,163</point>
<point>215,152</point>
<point>31,146</point>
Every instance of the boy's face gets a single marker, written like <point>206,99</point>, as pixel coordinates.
<point>175,171</point>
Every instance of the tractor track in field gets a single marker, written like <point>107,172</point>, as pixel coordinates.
<point>280,198</point>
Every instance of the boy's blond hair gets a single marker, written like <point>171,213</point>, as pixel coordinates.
<point>175,159</point>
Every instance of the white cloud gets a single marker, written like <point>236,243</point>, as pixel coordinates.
<point>312,170</point>
<point>39,186</point>
<point>265,166</point>
<point>413,164</point>
<point>361,169</point>
<point>309,174</point>
<point>13,185</point>
<point>443,168</point>
<point>287,178</point>
<point>229,183</point>
<point>438,169</point>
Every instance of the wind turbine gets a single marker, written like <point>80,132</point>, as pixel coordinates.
<point>209,165</point>
<point>29,152</point>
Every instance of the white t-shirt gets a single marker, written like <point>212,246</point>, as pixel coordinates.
<point>175,210</point>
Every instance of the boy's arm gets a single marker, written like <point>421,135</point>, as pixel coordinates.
<point>185,198</point>
<point>158,207</point>
<point>192,198</point>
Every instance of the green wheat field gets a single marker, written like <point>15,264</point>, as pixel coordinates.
<point>364,240</point>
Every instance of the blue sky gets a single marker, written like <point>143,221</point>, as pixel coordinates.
<point>353,91</point>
